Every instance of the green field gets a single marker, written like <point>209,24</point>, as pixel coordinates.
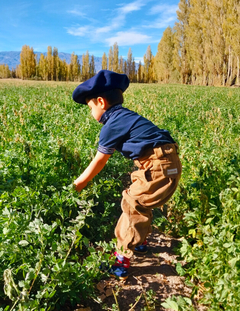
<point>49,233</point>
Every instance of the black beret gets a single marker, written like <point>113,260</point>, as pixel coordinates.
<point>103,81</point>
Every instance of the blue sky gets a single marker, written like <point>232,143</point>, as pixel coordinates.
<point>80,26</point>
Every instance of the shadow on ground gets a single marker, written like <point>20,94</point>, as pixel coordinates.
<point>152,280</point>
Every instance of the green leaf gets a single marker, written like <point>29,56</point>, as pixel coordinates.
<point>192,232</point>
<point>180,269</point>
<point>30,275</point>
<point>23,243</point>
<point>188,301</point>
<point>209,220</point>
<point>5,231</point>
<point>170,304</point>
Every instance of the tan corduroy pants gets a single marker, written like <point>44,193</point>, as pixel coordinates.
<point>152,185</point>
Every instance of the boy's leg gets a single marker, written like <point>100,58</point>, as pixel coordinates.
<point>151,188</point>
<point>133,226</point>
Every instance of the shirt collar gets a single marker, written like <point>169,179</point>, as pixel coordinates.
<point>106,115</point>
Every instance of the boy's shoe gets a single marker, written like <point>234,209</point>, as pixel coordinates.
<point>121,261</point>
<point>141,249</point>
<point>118,272</point>
<point>119,269</point>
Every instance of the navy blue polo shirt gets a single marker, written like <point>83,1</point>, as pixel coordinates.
<point>129,133</point>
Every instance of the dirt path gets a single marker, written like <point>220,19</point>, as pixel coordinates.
<point>154,271</point>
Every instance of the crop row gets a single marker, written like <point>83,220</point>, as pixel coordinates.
<point>51,236</point>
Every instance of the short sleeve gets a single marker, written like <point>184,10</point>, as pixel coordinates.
<point>111,136</point>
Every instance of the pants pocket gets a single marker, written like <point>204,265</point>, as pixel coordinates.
<point>170,164</point>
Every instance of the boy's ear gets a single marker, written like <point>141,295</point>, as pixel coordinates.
<point>102,101</point>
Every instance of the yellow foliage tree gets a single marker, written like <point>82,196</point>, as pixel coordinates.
<point>27,66</point>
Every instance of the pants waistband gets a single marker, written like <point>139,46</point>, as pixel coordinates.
<point>156,153</point>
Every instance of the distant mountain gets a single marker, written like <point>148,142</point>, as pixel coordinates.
<point>12,59</point>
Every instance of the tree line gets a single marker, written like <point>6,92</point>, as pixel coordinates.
<point>52,68</point>
<point>203,48</point>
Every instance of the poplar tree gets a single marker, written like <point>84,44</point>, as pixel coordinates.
<point>215,13</point>
<point>92,67</point>
<point>49,63</point>
<point>64,70</point>
<point>110,59</point>
<point>134,73</point>
<point>121,65</point>
<point>74,70</point>
<point>18,71</point>
<point>55,65</point>
<point>231,30</point>
<point>236,35</point>
<point>4,71</point>
<point>104,61</point>
<point>181,40</point>
<point>27,62</point>
<point>42,67</point>
<point>115,58</point>
<point>85,66</point>
<point>125,67</point>
<point>163,64</point>
<point>148,66</point>
<point>196,50</point>
<point>139,72</point>
<point>83,73</point>
<point>129,65</point>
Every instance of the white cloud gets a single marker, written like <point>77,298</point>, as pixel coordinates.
<point>76,12</point>
<point>79,31</point>
<point>124,38</point>
<point>118,21</point>
<point>110,31</point>
<point>105,29</point>
<point>138,59</point>
<point>120,16</point>
<point>81,14</point>
<point>130,7</point>
<point>162,22</point>
<point>164,9</point>
<point>166,15</point>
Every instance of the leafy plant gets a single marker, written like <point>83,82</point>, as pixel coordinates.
<point>51,238</point>
<point>178,304</point>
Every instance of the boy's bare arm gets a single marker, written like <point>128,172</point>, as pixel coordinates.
<point>92,170</point>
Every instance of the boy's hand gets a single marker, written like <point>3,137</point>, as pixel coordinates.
<point>92,170</point>
<point>79,184</point>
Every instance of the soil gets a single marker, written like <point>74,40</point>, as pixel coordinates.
<point>153,271</point>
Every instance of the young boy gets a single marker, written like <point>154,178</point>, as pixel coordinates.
<point>153,151</point>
